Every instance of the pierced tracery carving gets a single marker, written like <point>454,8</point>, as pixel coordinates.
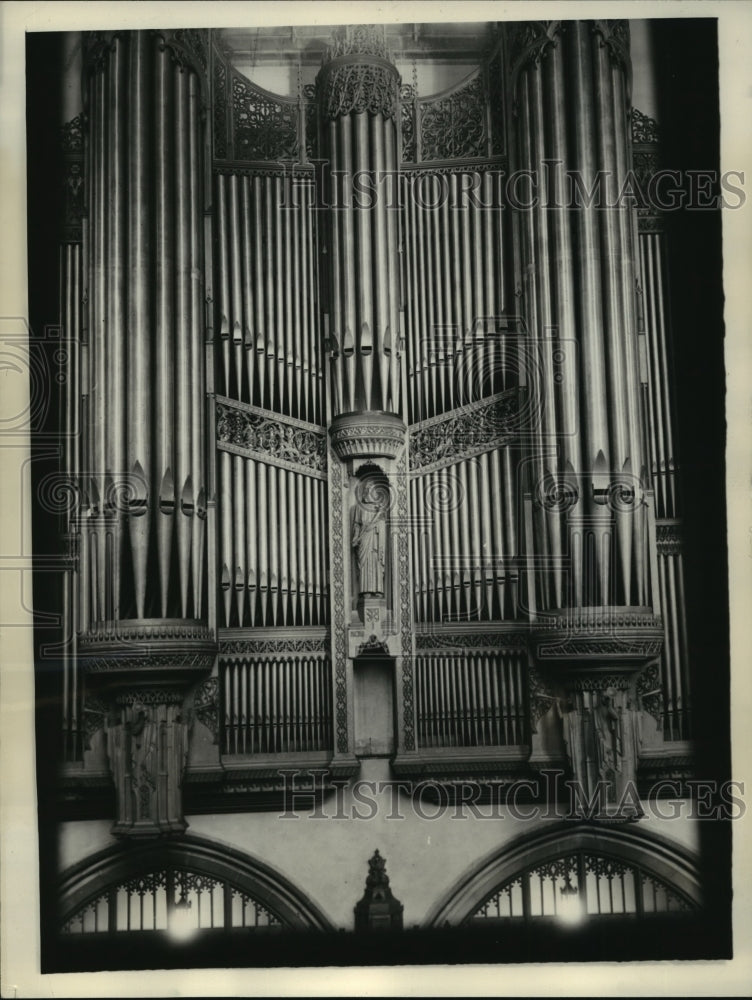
<point>359,87</point>
<point>264,128</point>
<point>455,126</point>
<point>464,432</point>
<point>274,438</point>
<point>644,128</point>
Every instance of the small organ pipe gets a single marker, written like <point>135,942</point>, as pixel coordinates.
<point>284,541</point>
<point>309,546</point>
<point>293,401</point>
<point>224,278</point>
<point>259,328</point>
<point>295,528</point>
<point>139,314</point>
<point>499,501</point>
<point>240,505</point>
<point>486,525</point>
<point>272,528</point>
<point>236,307</point>
<point>297,306</point>
<point>263,540</point>
<point>248,254</point>
<point>227,553</point>
<point>251,523</point>
<point>444,491</point>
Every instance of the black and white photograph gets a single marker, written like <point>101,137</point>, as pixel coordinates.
<point>370,483</point>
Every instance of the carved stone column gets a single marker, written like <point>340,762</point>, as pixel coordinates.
<point>145,633</point>
<point>358,92</point>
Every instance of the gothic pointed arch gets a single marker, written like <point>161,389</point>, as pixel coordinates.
<point>585,851</point>
<point>241,884</point>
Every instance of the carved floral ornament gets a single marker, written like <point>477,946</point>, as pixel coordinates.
<point>644,128</point>
<point>445,439</point>
<point>271,438</point>
<point>369,85</point>
<point>455,126</point>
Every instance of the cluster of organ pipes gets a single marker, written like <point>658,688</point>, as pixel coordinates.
<point>465,545</point>
<point>675,653</point>
<point>585,560</point>
<point>660,414</point>
<point>471,699</point>
<point>267,313</point>
<point>145,498</point>
<point>455,270</point>
<point>364,326</point>
<point>277,705</point>
<point>273,544</point>
<point>579,281</point>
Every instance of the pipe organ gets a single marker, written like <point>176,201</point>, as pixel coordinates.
<point>345,395</point>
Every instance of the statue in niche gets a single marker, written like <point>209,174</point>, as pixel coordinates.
<point>368,536</point>
<point>602,742</point>
<point>143,749</point>
<point>608,740</point>
<point>574,736</point>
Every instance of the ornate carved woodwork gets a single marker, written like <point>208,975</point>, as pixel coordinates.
<point>469,430</point>
<point>264,126</point>
<point>147,748</point>
<point>271,437</point>
<point>367,435</point>
<point>455,126</point>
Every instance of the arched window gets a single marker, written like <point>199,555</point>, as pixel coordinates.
<point>576,886</point>
<point>170,899</point>
<point>575,872</point>
<point>189,886</point>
